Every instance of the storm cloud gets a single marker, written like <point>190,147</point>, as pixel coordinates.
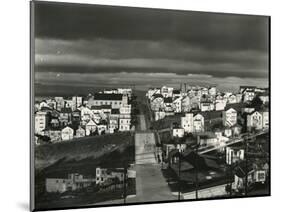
<point>94,39</point>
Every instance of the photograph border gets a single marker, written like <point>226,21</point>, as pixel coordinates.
<point>31,109</point>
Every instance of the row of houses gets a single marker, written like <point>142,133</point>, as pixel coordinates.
<point>75,181</point>
<point>167,101</point>
<point>194,123</point>
<point>101,114</point>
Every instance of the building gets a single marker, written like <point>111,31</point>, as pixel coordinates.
<point>198,123</point>
<point>208,139</point>
<point>177,104</point>
<point>91,127</point>
<point>159,115</point>
<point>157,102</point>
<point>168,104</point>
<point>55,122</point>
<point>207,106</point>
<point>213,91</point>
<point>229,117</point>
<point>76,117</point>
<point>185,104</point>
<point>124,123</point>
<point>60,102</point>
<point>54,134</point>
<point>152,91</point>
<point>234,155</point>
<point>104,175</point>
<point>72,183</point>
<point>254,121</point>
<point>236,130</point>
<point>125,109</point>
<point>176,94</point>
<point>232,99</point>
<point>115,100</point>
<point>77,101</point>
<point>265,119</point>
<point>86,115</point>
<point>264,97</point>
<point>41,121</point>
<point>178,132</point>
<point>187,123</point>
<point>67,133</point>
<point>65,116</point>
<point>248,95</point>
<point>220,104</point>
<point>227,132</point>
<point>80,132</point>
<point>167,91</point>
<point>125,91</point>
<point>113,124</point>
<point>255,174</point>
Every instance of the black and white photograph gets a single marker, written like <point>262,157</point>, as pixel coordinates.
<point>134,105</point>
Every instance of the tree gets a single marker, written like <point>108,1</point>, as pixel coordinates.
<point>256,103</point>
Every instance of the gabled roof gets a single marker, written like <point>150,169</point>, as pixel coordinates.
<point>91,122</point>
<point>115,111</point>
<point>110,97</point>
<point>157,95</point>
<point>168,100</point>
<point>66,110</point>
<point>176,91</point>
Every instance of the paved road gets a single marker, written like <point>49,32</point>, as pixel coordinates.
<point>142,123</point>
<point>151,186</point>
<point>145,148</point>
<point>215,191</point>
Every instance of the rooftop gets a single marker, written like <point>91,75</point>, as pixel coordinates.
<point>112,97</point>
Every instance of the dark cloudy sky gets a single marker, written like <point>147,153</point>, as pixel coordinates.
<point>106,46</point>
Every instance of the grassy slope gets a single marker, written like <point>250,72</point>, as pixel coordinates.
<point>81,149</point>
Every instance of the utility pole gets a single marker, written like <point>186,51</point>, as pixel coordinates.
<point>246,163</point>
<point>179,183</point>
<point>196,169</point>
<point>124,184</point>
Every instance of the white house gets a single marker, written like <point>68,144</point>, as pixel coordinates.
<point>207,106</point>
<point>152,91</point>
<point>198,123</point>
<point>220,104</point>
<point>212,91</point>
<point>185,104</point>
<point>234,155</point>
<point>167,91</point>
<point>232,99</point>
<point>265,119</point>
<point>113,124</point>
<point>77,101</point>
<point>178,132</point>
<point>80,132</point>
<point>159,115</point>
<point>227,132</point>
<point>157,102</point>
<point>91,127</point>
<point>86,114</point>
<point>187,123</point>
<point>124,123</point>
<point>229,117</point>
<point>177,105</point>
<point>115,100</point>
<point>248,95</point>
<point>254,121</point>
<point>67,133</point>
<point>41,121</point>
